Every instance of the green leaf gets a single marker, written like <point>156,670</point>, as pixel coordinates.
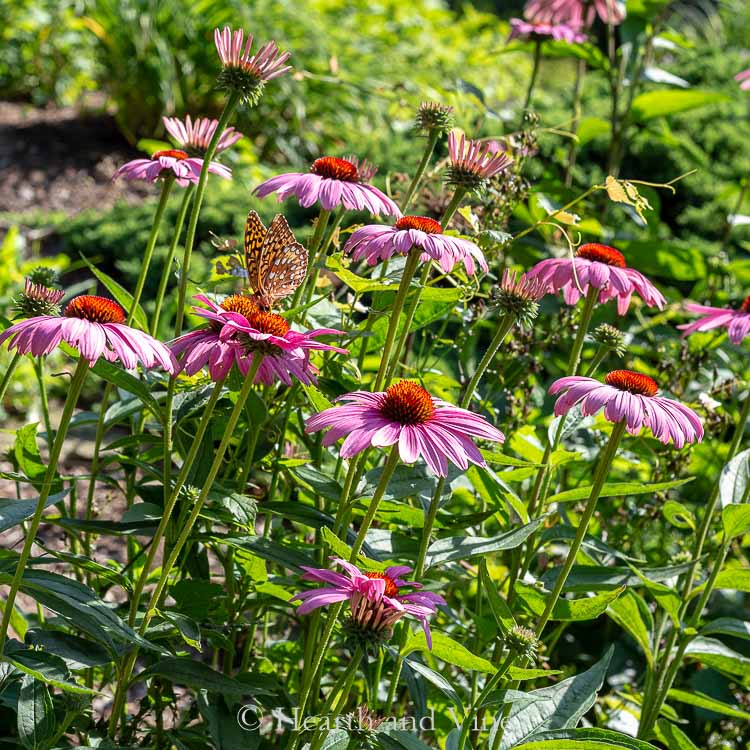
<point>127,382</point>
<point>276,552</point>
<point>662,103</point>
<point>614,489</point>
<point>568,610</point>
<point>734,479</point>
<point>13,512</point>
<point>440,682</point>
<point>715,654</point>
<point>700,700</point>
<point>123,297</point>
<point>735,519</point>
<point>673,737</point>
<point>406,482</point>
<point>585,738</point>
<point>521,673</point>
<point>499,608</point>
<point>728,626</point>
<point>559,706</point>
<point>196,674</point>
<point>672,259</point>
<point>45,667</point>
<point>678,515</point>
<point>730,579</point>
<point>317,400</point>
<point>631,613</point>
<point>600,578</point>
<point>77,652</point>
<point>359,284</point>
<point>26,453</point>
<point>36,714</point>
<point>466,547</point>
<point>448,650</point>
<point>317,483</point>
<point>568,533</point>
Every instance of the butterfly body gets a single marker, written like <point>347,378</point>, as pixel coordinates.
<point>276,263</point>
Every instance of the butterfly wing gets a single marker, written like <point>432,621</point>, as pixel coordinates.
<point>283,263</point>
<point>255,235</point>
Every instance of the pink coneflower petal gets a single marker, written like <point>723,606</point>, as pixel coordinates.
<point>527,30</point>
<point>630,397</point>
<point>239,330</point>
<point>376,242</point>
<point>184,168</point>
<point>197,134</point>
<point>737,322</point>
<point>598,266</point>
<point>406,415</point>
<point>332,182</point>
<point>95,326</point>
<point>576,13</point>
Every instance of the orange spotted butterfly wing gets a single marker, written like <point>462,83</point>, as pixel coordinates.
<point>276,263</point>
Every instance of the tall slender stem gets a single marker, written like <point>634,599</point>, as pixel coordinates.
<point>200,191</point>
<point>167,270</point>
<point>432,139</point>
<point>39,369</point>
<point>9,375</point>
<point>74,391</point>
<point>534,74</point>
<point>174,493</point>
<point>315,242</point>
<point>577,99</point>
<point>127,668</point>
<point>600,477</point>
<point>166,188</point>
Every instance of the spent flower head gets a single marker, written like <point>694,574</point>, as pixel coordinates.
<point>518,296</point>
<point>610,337</point>
<point>37,299</point>
<point>433,117</point>
<point>242,72</point>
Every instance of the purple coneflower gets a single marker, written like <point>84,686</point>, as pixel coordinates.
<point>238,329</point>
<point>601,267</point>
<point>630,397</point>
<point>743,78</point>
<point>472,163</point>
<point>576,13</point>
<point>737,322</point>
<point>406,414</point>
<point>95,326</point>
<point>333,182</point>
<point>185,168</point>
<point>376,599</point>
<point>245,73</point>
<point>196,134</point>
<point>541,31</point>
<point>378,242</point>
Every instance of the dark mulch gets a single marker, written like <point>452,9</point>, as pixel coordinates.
<point>62,159</point>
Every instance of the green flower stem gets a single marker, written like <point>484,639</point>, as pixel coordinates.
<point>395,358</point>
<point>315,243</point>
<point>9,375</point>
<point>179,483</point>
<point>309,675</point>
<point>167,270</point>
<point>583,326</point>
<point>506,323</point>
<point>320,257</point>
<point>337,698</point>
<point>186,528</point>
<point>39,370</point>
<point>667,670</point>
<point>412,261</point>
<point>577,101</point>
<point>432,139</point>
<point>200,191</point>
<point>606,458</point>
<point>74,390</point>
<point>166,188</point>
<point>534,75</point>
<point>491,684</point>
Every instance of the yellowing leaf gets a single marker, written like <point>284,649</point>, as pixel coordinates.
<point>622,191</point>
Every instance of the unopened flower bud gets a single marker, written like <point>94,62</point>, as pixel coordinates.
<point>434,117</point>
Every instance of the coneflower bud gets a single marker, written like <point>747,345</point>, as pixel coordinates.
<point>610,337</point>
<point>523,641</point>
<point>518,296</point>
<point>434,117</point>
<point>37,299</point>
<point>362,726</point>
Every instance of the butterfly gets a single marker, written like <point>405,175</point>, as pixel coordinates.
<point>276,263</point>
